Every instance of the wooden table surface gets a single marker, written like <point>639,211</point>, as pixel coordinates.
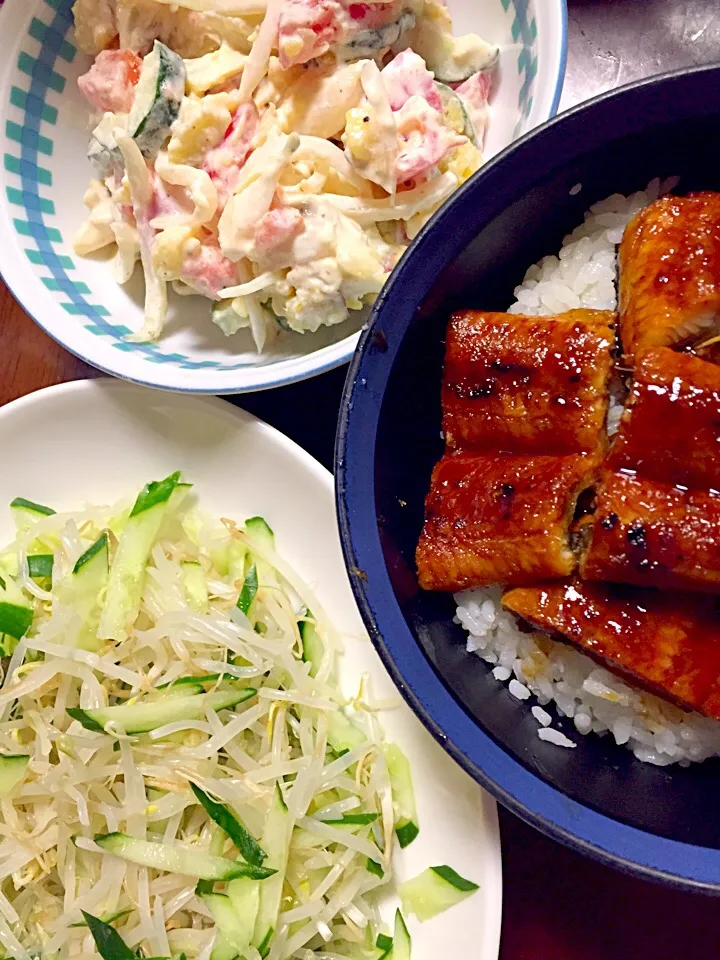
<point>558,905</point>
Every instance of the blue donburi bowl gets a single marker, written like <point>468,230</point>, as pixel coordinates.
<point>660,822</point>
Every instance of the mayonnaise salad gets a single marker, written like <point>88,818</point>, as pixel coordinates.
<point>276,158</point>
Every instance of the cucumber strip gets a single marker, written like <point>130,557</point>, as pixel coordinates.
<point>142,717</point>
<point>249,590</point>
<point>83,590</point>
<point>188,863</point>
<point>454,112</point>
<point>260,531</point>
<point>313,649</point>
<point>25,513</point>
<point>225,818</point>
<point>195,586</point>
<point>245,899</point>
<point>13,768</point>
<point>222,949</point>
<point>383,942</point>
<point>276,843</point>
<point>110,945</point>
<point>373,867</point>
<point>40,566</point>
<point>127,574</point>
<point>342,734</point>
<point>235,918</point>
<point>187,686</point>
<point>15,620</point>
<point>403,794</point>
<point>401,940</point>
<point>217,845</point>
<point>158,95</point>
<point>434,891</point>
<point>354,820</point>
<point>106,918</point>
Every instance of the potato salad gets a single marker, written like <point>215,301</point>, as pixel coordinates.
<point>275,158</point>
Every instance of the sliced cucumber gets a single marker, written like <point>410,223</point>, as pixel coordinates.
<point>40,566</point>
<point>188,863</point>
<point>236,912</point>
<point>127,574</point>
<point>195,586</point>
<point>452,59</point>
<point>368,43</point>
<point>16,612</point>
<point>188,686</point>
<point>26,513</point>
<point>374,867</point>
<point>110,945</point>
<point>354,820</point>
<point>222,949</point>
<point>103,151</point>
<point>342,734</point>
<point>84,588</point>
<point>260,532</point>
<point>142,717</point>
<point>249,590</point>
<point>434,891</point>
<point>403,794</point>
<point>312,646</point>
<point>13,768</point>
<point>223,816</point>
<point>401,945</point>
<point>276,843</point>
<point>158,95</point>
<point>454,112</point>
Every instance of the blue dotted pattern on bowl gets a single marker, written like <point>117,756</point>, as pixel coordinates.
<point>37,114</point>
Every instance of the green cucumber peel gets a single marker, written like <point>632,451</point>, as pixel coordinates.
<point>20,503</point>
<point>354,819</point>
<point>102,543</point>
<point>155,492</point>
<point>110,945</point>
<point>249,590</point>
<point>106,918</point>
<point>249,848</point>
<point>433,891</point>
<point>40,566</point>
<point>407,833</point>
<point>374,867</point>
<point>15,621</point>
<point>454,879</point>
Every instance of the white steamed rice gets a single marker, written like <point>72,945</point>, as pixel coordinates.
<point>582,275</point>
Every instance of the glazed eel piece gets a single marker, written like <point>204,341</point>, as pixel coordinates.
<point>657,506</point>
<point>524,407</point>
<point>670,274</point>
<point>667,641</point>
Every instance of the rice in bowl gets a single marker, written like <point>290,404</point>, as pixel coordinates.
<point>582,275</point>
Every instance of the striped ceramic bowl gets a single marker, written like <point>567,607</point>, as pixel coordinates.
<point>44,174</point>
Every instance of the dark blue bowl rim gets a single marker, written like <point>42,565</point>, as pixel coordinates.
<point>543,806</point>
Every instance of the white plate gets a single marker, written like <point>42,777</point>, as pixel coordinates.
<point>44,174</point>
<point>96,441</point>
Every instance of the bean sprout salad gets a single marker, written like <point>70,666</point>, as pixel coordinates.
<point>180,775</point>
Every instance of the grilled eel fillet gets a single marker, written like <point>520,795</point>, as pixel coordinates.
<point>500,508</point>
<point>667,641</point>
<point>532,385</point>
<point>657,519</point>
<point>670,273</point>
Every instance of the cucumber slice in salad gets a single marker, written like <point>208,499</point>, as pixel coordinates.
<point>103,151</point>
<point>276,843</point>
<point>401,942</point>
<point>235,912</point>
<point>83,589</point>
<point>26,513</point>
<point>110,945</point>
<point>342,734</point>
<point>13,768</point>
<point>259,531</point>
<point>195,586</point>
<point>403,794</point>
<point>454,112</point>
<point>223,816</point>
<point>313,649</point>
<point>142,717</point>
<point>369,43</point>
<point>40,566</point>
<point>182,860</point>
<point>127,573</point>
<point>158,95</point>
<point>434,891</point>
<point>16,614</point>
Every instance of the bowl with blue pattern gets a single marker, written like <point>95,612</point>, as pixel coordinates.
<point>44,174</point>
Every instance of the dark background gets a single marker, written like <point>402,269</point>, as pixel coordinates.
<point>558,905</point>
